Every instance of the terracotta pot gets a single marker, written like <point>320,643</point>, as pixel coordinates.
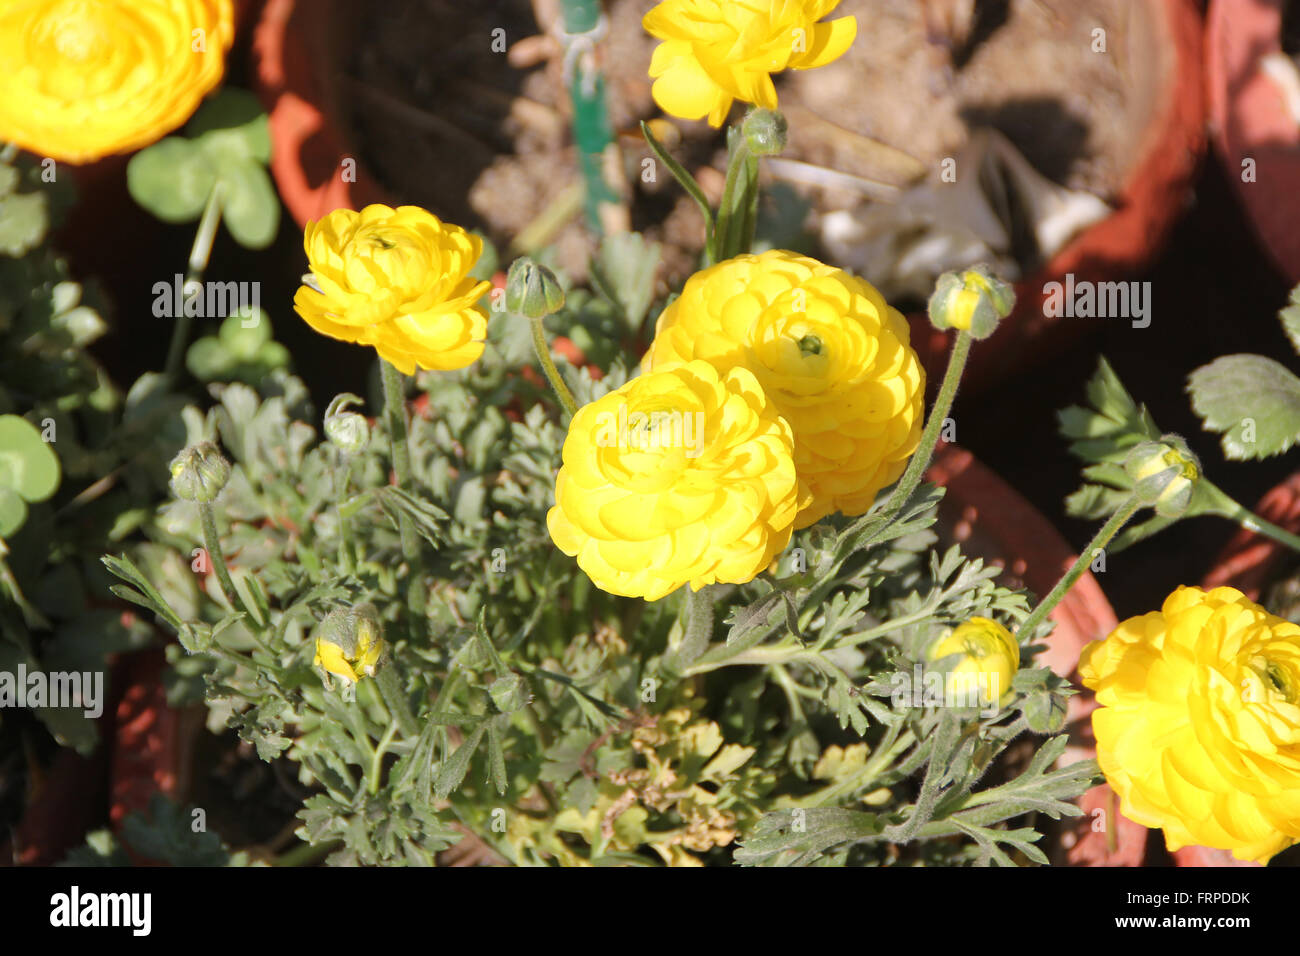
<point>1152,199</point>
<point>150,751</point>
<point>139,753</point>
<point>295,46</point>
<point>67,801</point>
<point>1249,119</point>
<point>990,518</point>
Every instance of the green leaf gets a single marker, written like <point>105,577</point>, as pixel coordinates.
<point>454,769</point>
<point>1290,317</point>
<point>623,272</point>
<point>24,220</point>
<point>231,127</point>
<point>249,204</point>
<point>172,179</point>
<point>781,839</point>
<point>685,179</point>
<point>28,466</point>
<point>496,755</point>
<point>13,512</point>
<point>1254,401</point>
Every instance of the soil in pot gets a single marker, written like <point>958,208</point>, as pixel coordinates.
<point>481,137</point>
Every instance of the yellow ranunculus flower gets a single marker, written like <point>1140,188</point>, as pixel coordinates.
<point>717,51</point>
<point>1198,723</point>
<point>990,659</point>
<point>830,354</point>
<point>679,476</point>
<point>396,279</point>
<point>80,79</point>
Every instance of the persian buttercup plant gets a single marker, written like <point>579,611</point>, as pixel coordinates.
<point>82,79</point>
<point>668,616</point>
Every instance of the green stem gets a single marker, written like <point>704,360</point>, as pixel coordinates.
<point>734,232</point>
<point>395,416</point>
<point>1227,507</point>
<point>346,558</point>
<point>692,187</point>
<point>929,438</point>
<point>34,618</point>
<point>1100,540</point>
<point>212,541</point>
<point>938,415</point>
<point>377,758</point>
<point>200,252</point>
<point>305,854</point>
<point>548,366</point>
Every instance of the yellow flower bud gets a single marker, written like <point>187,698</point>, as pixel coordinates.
<point>1164,474</point>
<point>830,354</point>
<point>397,280</point>
<point>715,52</point>
<point>990,658</point>
<point>974,300</point>
<point>350,643</point>
<point>1198,721</point>
<point>80,80</point>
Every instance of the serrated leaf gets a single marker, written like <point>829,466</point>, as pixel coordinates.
<point>1252,400</point>
<point>452,773</point>
<point>777,840</point>
<point>1290,317</point>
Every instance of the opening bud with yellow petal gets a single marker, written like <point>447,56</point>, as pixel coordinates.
<point>350,642</point>
<point>974,300</point>
<point>532,289</point>
<point>347,430</point>
<point>199,473</point>
<point>765,132</point>
<point>1164,474</point>
<point>990,658</point>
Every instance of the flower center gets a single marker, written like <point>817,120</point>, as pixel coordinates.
<point>810,345</point>
<point>1278,676</point>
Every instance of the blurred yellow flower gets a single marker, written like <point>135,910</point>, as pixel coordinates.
<point>398,280</point>
<point>717,51</point>
<point>1198,723</point>
<point>80,79</point>
<point>990,659</point>
<point>831,355</point>
<point>679,476</point>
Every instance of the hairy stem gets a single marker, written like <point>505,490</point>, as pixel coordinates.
<point>548,366</point>
<point>200,252</point>
<point>395,418</point>
<point>1100,540</point>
